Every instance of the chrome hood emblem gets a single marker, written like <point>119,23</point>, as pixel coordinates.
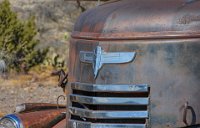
<point>98,57</point>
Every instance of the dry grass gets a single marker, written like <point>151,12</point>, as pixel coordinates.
<point>1,114</point>
<point>38,86</point>
<point>39,75</point>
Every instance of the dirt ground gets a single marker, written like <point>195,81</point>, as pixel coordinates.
<point>27,89</point>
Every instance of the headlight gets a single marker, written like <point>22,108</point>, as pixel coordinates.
<point>10,121</point>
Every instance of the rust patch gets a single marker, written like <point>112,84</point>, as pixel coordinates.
<point>39,119</point>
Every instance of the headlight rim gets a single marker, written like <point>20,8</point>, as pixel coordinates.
<point>14,119</point>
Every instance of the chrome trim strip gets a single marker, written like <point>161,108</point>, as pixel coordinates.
<point>109,88</point>
<point>81,124</point>
<point>109,100</point>
<point>108,114</point>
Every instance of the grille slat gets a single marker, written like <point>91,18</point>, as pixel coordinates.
<point>109,106</point>
<point>108,114</point>
<point>109,100</point>
<point>81,124</point>
<point>109,88</point>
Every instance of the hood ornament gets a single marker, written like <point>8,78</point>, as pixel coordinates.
<point>98,57</point>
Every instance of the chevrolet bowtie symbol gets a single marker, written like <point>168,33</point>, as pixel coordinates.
<point>98,57</point>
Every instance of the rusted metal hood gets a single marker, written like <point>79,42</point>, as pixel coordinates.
<point>140,56</point>
<point>134,19</point>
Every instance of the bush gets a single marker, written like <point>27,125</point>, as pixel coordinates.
<point>17,40</point>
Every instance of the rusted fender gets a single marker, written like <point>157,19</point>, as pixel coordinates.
<point>42,119</point>
<point>30,107</point>
<point>61,124</point>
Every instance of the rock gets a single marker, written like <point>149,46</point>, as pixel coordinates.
<point>12,92</point>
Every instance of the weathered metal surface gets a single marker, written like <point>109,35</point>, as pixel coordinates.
<point>28,107</point>
<point>140,19</point>
<point>40,119</point>
<point>166,37</point>
<point>56,120</point>
<point>171,67</point>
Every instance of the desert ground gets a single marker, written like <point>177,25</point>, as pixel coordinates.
<point>29,88</point>
<point>55,20</point>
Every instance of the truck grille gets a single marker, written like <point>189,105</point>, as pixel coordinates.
<point>108,106</point>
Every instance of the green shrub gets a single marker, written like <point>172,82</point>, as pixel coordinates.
<point>55,60</point>
<point>17,40</point>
